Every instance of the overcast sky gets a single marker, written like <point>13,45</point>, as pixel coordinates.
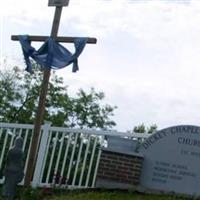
<point>146,60</point>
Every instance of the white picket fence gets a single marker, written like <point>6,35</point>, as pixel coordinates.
<point>66,157</point>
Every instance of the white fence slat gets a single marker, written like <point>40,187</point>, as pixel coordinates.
<point>3,150</point>
<point>1,131</point>
<point>91,161</point>
<point>66,153</point>
<point>12,138</point>
<point>25,139</point>
<point>29,148</point>
<point>13,125</point>
<point>96,167</point>
<point>54,140</point>
<point>100,133</point>
<point>77,163</point>
<point>20,132</point>
<point>85,131</point>
<point>84,161</point>
<point>72,157</point>
<point>45,158</point>
<point>59,153</point>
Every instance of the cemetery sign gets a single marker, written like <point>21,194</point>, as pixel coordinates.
<point>172,161</point>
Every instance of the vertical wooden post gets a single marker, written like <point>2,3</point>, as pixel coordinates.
<point>41,106</point>
<point>44,87</point>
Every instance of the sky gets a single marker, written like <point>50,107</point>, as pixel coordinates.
<point>146,60</point>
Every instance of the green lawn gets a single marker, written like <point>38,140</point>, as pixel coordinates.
<point>110,196</point>
<point>57,194</point>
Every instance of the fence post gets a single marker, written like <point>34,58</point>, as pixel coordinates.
<point>41,154</point>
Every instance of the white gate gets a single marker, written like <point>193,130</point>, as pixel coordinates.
<point>66,157</point>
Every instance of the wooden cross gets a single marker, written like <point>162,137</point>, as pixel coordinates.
<point>44,87</point>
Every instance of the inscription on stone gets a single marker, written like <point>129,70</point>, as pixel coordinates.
<point>172,161</point>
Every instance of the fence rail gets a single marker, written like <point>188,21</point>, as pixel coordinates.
<point>66,157</point>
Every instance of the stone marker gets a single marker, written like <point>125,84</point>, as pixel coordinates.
<point>172,161</point>
<point>121,145</point>
<point>13,168</point>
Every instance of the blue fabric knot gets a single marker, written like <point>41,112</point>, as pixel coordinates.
<point>51,54</point>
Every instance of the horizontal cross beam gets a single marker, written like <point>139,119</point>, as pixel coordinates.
<point>58,39</point>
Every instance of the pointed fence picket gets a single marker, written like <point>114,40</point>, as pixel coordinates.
<point>66,157</point>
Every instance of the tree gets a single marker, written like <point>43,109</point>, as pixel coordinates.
<point>19,95</point>
<point>142,129</point>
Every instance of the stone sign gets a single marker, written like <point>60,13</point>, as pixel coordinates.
<point>121,145</point>
<point>172,161</point>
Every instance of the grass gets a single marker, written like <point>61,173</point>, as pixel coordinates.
<point>114,195</point>
<point>57,194</point>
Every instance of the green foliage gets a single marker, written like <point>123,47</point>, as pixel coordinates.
<point>19,95</point>
<point>112,195</point>
<point>142,129</point>
<point>28,193</point>
<point>24,193</point>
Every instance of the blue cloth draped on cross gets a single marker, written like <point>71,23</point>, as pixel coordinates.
<point>51,54</point>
